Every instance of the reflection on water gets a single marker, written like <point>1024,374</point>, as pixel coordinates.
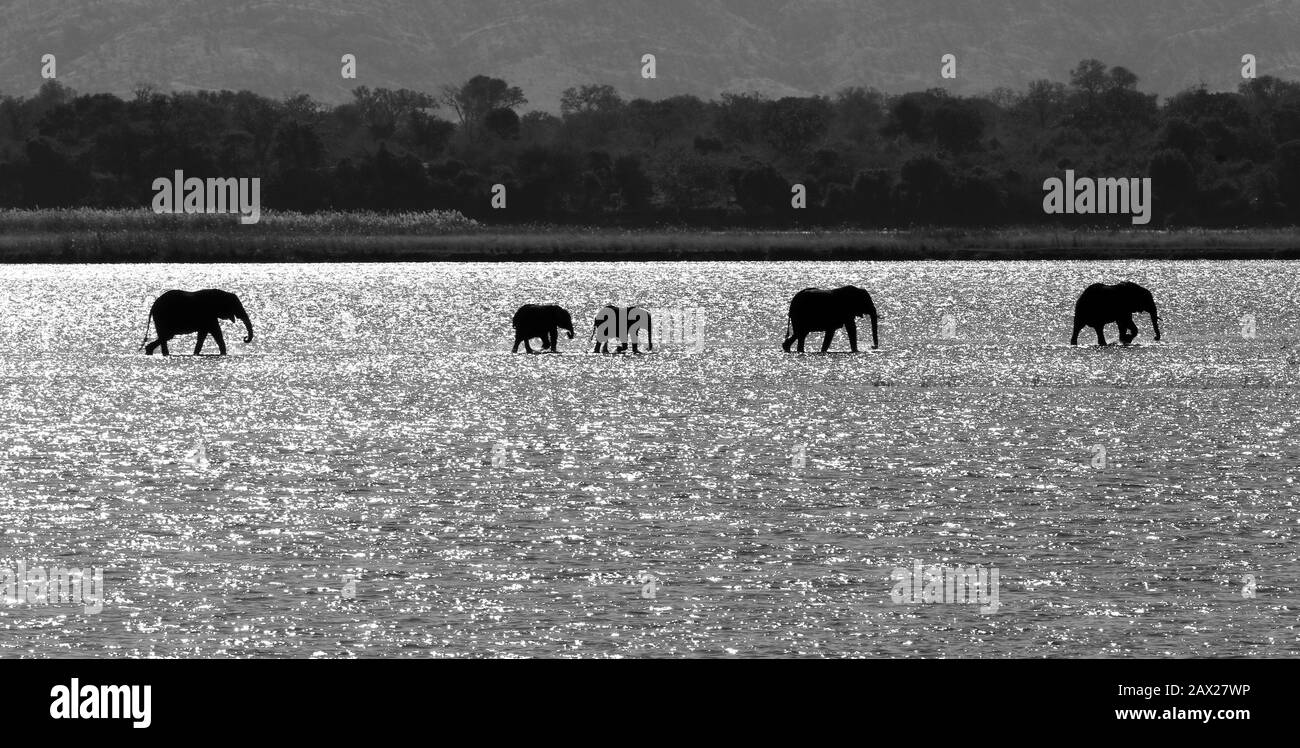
<point>375,475</point>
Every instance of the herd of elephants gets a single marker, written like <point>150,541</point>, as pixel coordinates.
<point>811,310</point>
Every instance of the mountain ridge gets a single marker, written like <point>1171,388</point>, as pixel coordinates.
<point>703,47</point>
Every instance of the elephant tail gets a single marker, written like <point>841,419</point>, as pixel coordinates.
<point>145,342</point>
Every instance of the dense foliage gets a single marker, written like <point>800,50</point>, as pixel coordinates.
<point>865,158</point>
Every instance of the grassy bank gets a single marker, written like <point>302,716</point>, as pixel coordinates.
<point>141,236</point>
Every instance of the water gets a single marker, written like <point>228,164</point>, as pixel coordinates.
<point>486,504</point>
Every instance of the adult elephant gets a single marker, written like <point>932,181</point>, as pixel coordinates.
<point>184,312</point>
<point>827,310</point>
<point>1100,305</point>
<point>623,324</point>
<point>540,321</point>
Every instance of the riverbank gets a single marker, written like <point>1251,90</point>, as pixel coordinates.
<point>90,236</point>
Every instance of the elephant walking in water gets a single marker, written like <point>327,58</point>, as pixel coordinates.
<point>540,321</point>
<point>1100,305</point>
<point>623,324</point>
<point>184,312</point>
<point>827,310</point>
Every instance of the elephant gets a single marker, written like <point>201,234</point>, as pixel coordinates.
<point>1100,305</point>
<point>183,312</point>
<point>827,310</point>
<point>540,321</point>
<point>623,324</point>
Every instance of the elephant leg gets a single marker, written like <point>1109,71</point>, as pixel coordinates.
<point>802,337</point>
<point>1128,331</point>
<point>1101,335</point>
<point>852,330</point>
<point>198,344</point>
<point>789,342</point>
<point>1074,339</point>
<point>554,340</point>
<point>826,342</point>
<point>149,349</point>
<point>518,340</point>
<point>162,346</point>
<point>528,345</point>
<point>215,332</point>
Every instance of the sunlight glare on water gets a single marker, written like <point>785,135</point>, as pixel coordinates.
<point>377,433</point>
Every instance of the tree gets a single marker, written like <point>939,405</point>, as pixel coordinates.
<point>632,183</point>
<point>297,146</point>
<point>923,188</point>
<point>383,110</point>
<point>857,114</point>
<point>796,124</point>
<point>502,123</point>
<point>909,115</point>
<point>1173,183</point>
<point>1287,168</point>
<point>1089,78</point>
<point>738,118</point>
<point>1181,135</point>
<point>592,114</point>
<point>539,127</point>
<point>590,99</point>
<point>479,95</point>
<point>957,126</point>
<point>1121,79</point>
<point>871,196</point>
<point>1044,102</point>
<point>658,120</point>
<point>761,191</point>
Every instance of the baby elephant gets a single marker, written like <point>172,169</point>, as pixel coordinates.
<point>1100,305</point>
<point>622,325</point>
<point>540,321</point>
<point>184,312</point>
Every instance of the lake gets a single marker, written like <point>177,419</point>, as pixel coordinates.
<point>375,475</point>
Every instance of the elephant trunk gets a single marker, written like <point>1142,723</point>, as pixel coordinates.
<point>570,331</point>
<point>649,333</point>
<point>875,338</point>
<point>1155,324</point>
<point>248,324</point>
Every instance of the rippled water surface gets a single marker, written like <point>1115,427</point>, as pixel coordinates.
<point>486,504</point>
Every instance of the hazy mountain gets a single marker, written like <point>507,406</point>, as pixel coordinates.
<point>703,46</point>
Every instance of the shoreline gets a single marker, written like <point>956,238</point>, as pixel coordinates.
<point>130,238</point>
<point>424,251</point>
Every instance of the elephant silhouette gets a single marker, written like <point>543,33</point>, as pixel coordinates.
<point>540,321</point>
<point>623,324</point>
<point>1100,305</point>
<point>184,312</point>
<point>827,310</point>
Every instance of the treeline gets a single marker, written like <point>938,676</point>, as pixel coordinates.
<point>865,158</point>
